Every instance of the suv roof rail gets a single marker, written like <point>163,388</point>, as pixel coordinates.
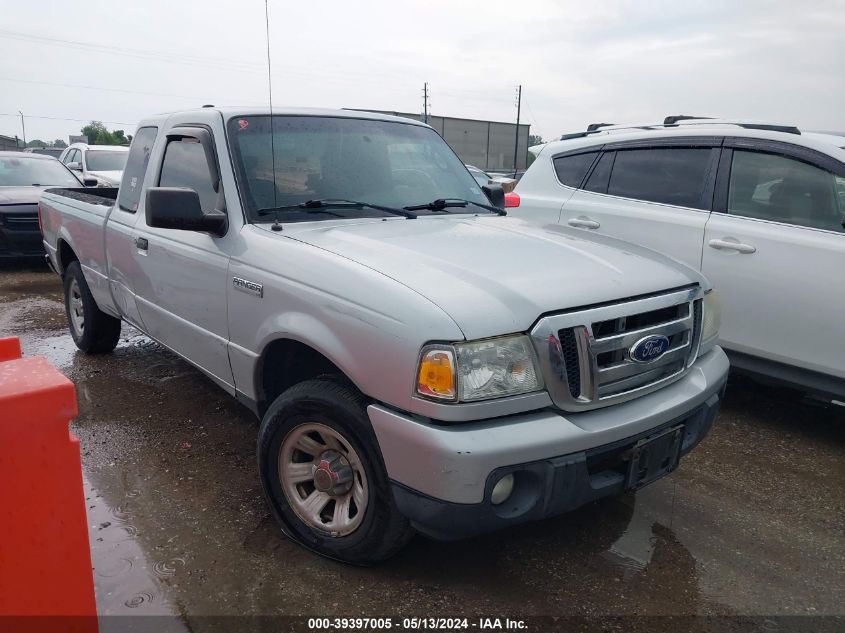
<point>679,120</point>
<point>675,118</point>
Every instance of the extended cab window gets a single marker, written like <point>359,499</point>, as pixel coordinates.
<point>571,169</point>
<point>185,165</point>
<point>136,169</point>
<point>773,187</point>
<point>668,175</point>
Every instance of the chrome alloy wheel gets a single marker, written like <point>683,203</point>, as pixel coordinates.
<point>323,479</point>
<point>75,308</point>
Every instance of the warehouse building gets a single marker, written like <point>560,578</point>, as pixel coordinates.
<point>485,144</point>
<point>8,143</point>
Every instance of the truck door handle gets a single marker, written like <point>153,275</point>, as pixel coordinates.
<point>583,223</point>
<point>732,245</point>
<point>142,243</point>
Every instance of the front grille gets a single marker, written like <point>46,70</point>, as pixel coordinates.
<point>569,350</point>
<point>592,364</point>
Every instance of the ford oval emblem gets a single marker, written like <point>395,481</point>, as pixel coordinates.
<point>649,349</point>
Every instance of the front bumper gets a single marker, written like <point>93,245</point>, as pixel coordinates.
<point>20,242</point>
<point>443,476</point>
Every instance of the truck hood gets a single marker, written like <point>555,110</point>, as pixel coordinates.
<point>20,195</point>
<point>497,275</point>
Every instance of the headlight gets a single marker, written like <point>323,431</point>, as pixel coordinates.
<point>711,319</point>
<point>479,370</point>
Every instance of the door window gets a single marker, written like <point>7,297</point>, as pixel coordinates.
<point>773,187</point>
<point>571,169</point>
<point>668,175</point>
<point>71,156</point>
<point>185,165</point>
<point>136,169</point>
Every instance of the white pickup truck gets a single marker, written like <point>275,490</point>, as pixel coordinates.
<point>419,360</point>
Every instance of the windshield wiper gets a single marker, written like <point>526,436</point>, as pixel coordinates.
<point>320,206</point>
<point>441,204</point>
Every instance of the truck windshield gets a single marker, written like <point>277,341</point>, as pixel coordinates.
<point>26,171</point>
<point>384,163</point>
<point>105,160</point>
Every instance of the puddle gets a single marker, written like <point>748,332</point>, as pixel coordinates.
<point>125,581</point>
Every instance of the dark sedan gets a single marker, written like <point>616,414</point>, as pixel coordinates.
<point>23,176</point>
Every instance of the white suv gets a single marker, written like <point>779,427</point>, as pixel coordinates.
<point>102,162</point>
<point>757,208</point>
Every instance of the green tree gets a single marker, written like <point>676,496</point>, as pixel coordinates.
<point>98,134</point>
<point>59,143</point>
<point>534,139</point>
<point>36,142</point>
<point>93,130</point>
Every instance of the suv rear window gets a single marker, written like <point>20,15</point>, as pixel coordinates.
<point>136,169</point>
<point>675,175</point>
<point>571,169</point>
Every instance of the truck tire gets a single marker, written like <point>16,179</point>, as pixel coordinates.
<point>323,475</point>
<point>93,331</point>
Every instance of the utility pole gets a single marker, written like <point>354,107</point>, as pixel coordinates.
<point>23,125</point>
<point>516,140</point>
<point>425,102</point>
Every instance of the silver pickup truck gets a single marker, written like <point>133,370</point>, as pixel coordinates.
<point>418,360</point>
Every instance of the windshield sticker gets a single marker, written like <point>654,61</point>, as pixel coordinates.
<point>243,124</point>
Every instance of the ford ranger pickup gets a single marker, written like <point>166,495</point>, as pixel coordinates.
<point>419,360</point>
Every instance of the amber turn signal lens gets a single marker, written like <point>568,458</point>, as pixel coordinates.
<point>436,378</point>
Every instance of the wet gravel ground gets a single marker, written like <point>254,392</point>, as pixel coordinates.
<point>752,523</point>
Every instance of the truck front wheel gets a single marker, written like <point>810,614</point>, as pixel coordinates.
<point>92,330</point>
<point>323,475</point>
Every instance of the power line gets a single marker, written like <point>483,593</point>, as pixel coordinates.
<point>217,63</point>
<point>59,118</point>
<point>134,92</point>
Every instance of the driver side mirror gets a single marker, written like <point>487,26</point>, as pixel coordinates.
<point>75,166</point>
<point>180,208</point>
<point>495,194</point>
<point>90,182</point>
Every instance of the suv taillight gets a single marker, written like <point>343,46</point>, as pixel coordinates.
<point>511,200</point>
<point>40,225</point>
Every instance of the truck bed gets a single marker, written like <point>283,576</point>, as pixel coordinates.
<point>93,195</point>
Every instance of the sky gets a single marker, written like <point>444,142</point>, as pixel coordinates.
<point>621,61</point>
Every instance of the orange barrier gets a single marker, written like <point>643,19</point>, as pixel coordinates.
<point>45,561</point>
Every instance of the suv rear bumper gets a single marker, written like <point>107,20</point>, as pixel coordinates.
<point>443,476</point>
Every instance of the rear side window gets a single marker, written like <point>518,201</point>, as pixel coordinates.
<point>780,189</point>
<point>136,169</point>
<point>185,165</point>
<point>598,180</point>
<point>675,176</point>
<point>571,169</point>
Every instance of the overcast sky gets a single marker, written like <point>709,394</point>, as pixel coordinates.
<point>578,61</point>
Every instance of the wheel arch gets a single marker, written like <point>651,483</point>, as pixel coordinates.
<point>65,255</point>
<point>286,361</point>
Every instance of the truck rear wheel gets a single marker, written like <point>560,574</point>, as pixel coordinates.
<point>93,330</point>
<point>323,475</point>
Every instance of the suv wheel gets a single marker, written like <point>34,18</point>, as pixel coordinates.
<point>323,475</point>
<point>92,330</point>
